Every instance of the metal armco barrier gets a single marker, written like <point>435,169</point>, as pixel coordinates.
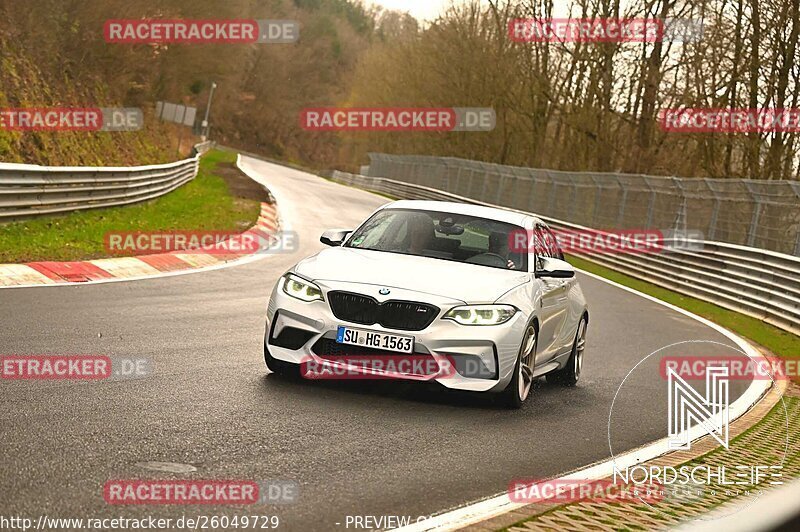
<point>200,149</point>
<point>755,213</point>
<point>759,283</point>
<point>28,190</point>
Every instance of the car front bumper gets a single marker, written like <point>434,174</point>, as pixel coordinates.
<point>484,356</point>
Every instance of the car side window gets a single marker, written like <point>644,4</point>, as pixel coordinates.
<point>539,246</point>
<point>546,244</point>
<point>555,249</point>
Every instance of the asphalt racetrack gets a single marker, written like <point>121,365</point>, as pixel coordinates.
<point>354,448</point>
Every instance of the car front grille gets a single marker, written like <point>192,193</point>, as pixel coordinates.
<point>393,314</point>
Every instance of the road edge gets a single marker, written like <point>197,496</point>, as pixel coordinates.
<point>493,506</point>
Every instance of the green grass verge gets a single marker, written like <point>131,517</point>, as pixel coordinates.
<point>780,342</point>
<point>204,203</point>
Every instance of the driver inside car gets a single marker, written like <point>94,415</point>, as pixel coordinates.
<point>421,234</point>
<point>498,245</point>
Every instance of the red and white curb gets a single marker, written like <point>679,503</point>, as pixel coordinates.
<point>46,273</point>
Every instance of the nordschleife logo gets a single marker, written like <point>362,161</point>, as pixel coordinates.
<point>710,411</point>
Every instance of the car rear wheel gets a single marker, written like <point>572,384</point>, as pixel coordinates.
<point>571,373</point>
<point>521,383</point>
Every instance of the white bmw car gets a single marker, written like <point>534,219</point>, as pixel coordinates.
<point>479,298</point>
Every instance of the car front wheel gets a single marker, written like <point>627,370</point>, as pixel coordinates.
<point>521,383</point>
<point>571,373</point>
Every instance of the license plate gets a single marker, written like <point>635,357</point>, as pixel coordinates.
<point>375,340</point>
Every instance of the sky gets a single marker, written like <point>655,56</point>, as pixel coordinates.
<point>429,9</point>
<point>419,9</point>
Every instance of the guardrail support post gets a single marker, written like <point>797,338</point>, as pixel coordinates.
<point>574,196</point>
<point>444,173</point>
<point>553,192</point>
<point>796,188</point>
<point>598,192</point>
<point>532,192</point>
<point>500,186</point>
<point>712,224</point>
<point>751,232</point>
<point>621,213</point>
<point>457,185</point>
<point>680,217</point>
<point>651,204</point>
<point>482,197</point>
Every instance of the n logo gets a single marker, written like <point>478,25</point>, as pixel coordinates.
<point>686,404</point>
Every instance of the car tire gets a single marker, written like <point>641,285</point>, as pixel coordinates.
<point>571,372</point>
<point>520,387</point>
<point>280,367</point>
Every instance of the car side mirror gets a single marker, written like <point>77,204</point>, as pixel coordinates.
<point>334,237</point>
<point>554,269</point>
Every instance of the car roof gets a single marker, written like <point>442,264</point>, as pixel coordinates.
<point>480,211</point>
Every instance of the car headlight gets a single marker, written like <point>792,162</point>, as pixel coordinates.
<point>301,289</point>
<point>481,314</point>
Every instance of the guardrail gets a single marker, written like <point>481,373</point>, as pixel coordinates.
<point>28,190</point>
<point>200,149</point>
<point>762,214</point>
<point>759,283</point>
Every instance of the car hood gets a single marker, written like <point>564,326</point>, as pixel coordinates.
<point>465,282</point>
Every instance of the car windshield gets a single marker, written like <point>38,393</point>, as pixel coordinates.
<point>441,235</point>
